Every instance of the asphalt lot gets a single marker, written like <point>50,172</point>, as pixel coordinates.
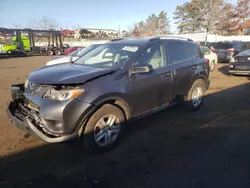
<point>174,148</point>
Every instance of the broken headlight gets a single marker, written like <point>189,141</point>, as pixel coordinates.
<point>64,94</point>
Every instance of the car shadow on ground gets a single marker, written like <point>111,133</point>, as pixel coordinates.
<point>224,70</point>
<point>173,148</point>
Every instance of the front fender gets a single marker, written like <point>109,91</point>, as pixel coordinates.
<point>116,99</point>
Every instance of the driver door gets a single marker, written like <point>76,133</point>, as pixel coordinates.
<point>152,89</point>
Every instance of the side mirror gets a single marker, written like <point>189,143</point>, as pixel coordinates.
<point>142,69</point>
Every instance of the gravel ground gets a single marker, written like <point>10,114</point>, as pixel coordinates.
<point>174,148</point>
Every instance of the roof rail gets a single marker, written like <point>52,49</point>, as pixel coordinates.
<point>171,37</point>
<point>154,38</point>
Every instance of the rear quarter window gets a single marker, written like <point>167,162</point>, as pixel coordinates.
<point>201,54</point>
<point>178,51</point>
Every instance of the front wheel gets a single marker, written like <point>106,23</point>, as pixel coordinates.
<point>194,98</point>
<point>104,129</point>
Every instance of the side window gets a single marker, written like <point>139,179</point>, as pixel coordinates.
<point>152,56</point>
<point>178,51</point>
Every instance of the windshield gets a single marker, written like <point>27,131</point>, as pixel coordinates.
<point>108,56</point>
<point>244,53</point>
<point>87,49</point>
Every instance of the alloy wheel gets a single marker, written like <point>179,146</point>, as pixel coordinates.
<point>106,130</point>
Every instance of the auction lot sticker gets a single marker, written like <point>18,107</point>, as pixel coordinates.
<point>130,48</point>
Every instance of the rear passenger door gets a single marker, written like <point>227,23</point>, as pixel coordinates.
<point>182,58</point>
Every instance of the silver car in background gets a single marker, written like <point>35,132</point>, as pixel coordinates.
<point>211,56</point>
<point>72,56</point>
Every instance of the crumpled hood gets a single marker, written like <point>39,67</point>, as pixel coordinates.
<point>67,73</point>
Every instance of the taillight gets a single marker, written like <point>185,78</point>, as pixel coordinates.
<point>231,50</point>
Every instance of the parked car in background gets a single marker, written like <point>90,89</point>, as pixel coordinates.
<point>75,55</point>
<point>225,50</point>
<point>71,49</point>
<point>210,45</point>
<point>247,44</point>
<point>240,64</point>
<point>93,97</point>
<point>212,57</point>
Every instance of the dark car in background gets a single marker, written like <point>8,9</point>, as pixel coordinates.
<point>225,50</point>
<point>240,64</point>
<point>93,97</point>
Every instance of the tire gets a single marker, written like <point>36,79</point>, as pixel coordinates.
<point>212,66</point>
<point>51,52</point>
<point>58,52</point>
<point>92,132</point>
<point>198,86</point>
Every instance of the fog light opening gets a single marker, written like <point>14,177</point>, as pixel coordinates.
<point>59,125</point>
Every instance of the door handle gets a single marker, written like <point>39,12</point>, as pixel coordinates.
<point>167,75</point>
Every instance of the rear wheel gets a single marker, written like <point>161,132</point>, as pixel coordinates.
<point>104,129</point>
<point>194,98</point>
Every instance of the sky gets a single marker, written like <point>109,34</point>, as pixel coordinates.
<point>105,14</point>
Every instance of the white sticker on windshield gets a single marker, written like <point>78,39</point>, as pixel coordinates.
<point>130,48</point>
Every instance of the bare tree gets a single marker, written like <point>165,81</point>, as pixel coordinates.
<point>203,15</point>
<point>241,15</point>
<point>154,25</point>
<point>130,29</point>
<point>45,23</point>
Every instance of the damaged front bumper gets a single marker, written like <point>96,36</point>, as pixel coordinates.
<point>25,123</point>
<point>239,72</point>
<point>51,120</point>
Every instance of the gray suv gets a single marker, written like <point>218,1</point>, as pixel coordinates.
<point>95,96</point>
<point>226,50</point>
